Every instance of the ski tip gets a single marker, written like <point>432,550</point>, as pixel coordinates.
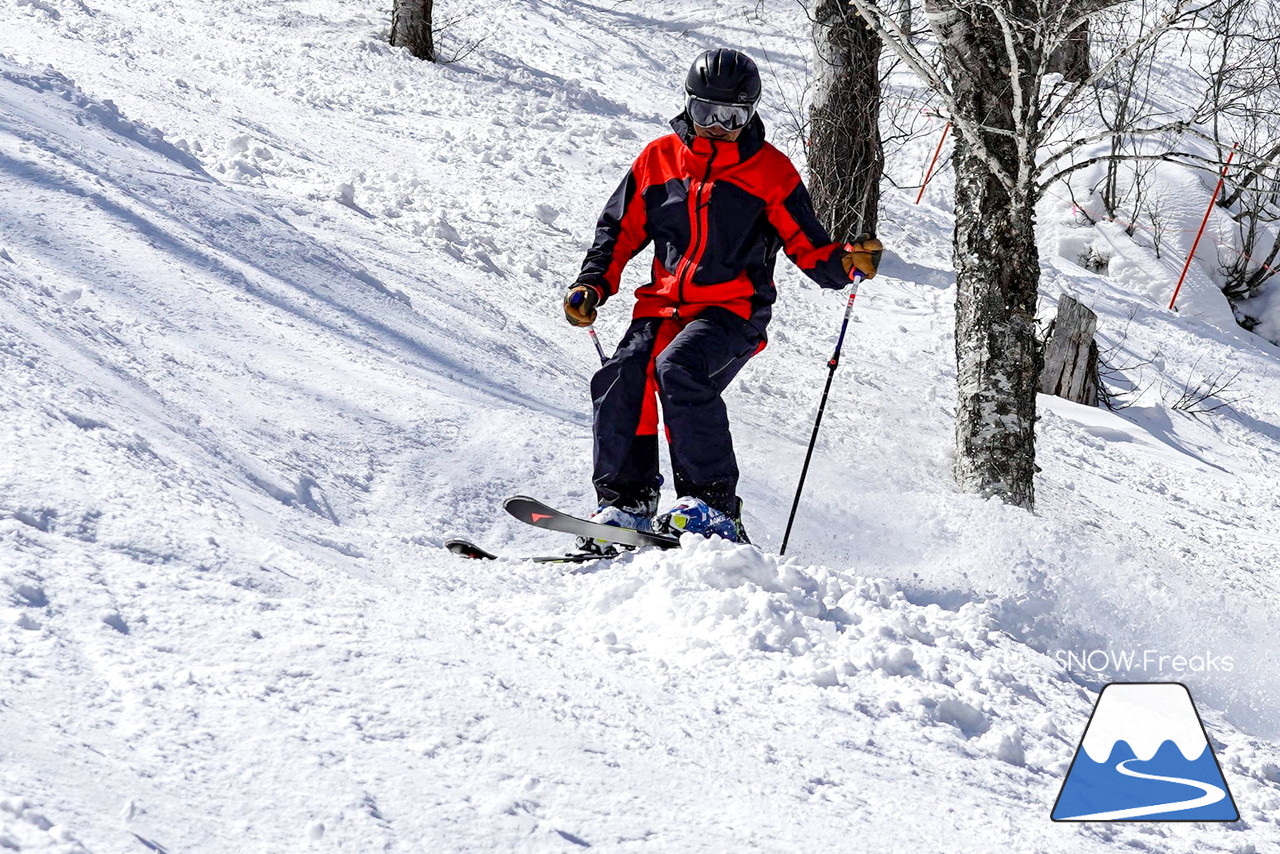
<point>528,510</point>
<point>468,549</point>
<point>521,501</point>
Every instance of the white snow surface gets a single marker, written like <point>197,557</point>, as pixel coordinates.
<point>279,313</point>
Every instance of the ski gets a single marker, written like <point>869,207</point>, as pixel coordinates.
<point>533,512</point>
<point>468,549</point>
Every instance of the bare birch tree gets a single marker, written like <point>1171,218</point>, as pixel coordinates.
<point>990,68</point>
<point>1240,68</point>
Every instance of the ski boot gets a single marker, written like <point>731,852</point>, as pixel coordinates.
<point>695,516</point>
<point>638,517</point>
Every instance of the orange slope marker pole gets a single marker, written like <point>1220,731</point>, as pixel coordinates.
<point>1203,223</point>
<point>929,173</point>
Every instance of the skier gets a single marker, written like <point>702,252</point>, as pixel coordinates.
<point>717,202</point>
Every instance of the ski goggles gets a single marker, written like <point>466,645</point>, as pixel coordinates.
<point>710,113</point>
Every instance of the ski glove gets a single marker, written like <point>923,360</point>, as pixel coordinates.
<point>580,303</point>
<point>862,256</point>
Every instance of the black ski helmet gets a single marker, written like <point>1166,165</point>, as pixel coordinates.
<point>723,75</point>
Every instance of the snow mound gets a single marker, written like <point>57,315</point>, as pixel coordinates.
<point>716,607</point>
<point>23,827</point>
<point>104,114</point>
<point>714,599</point>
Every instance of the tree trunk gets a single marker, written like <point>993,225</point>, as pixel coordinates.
<point>997,358</point>
<point>1071,59</point>
<point>411,28</point>
<point>997,266</point>
<point>845,155</point>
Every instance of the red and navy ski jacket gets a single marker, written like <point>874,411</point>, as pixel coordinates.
<point>717,213</point>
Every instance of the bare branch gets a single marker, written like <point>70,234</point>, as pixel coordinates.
<point>1183,11</point>
<point>1179,158</point>
<point>891,32</point>
<point>1020,134</point>
<point>1073,146</point>
<point>900,43</point>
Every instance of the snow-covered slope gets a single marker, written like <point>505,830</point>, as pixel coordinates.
<point>280,314</point>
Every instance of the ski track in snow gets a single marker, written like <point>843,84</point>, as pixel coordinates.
<point>280,315</point>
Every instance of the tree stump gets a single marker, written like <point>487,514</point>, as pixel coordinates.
<point>1071,355</point>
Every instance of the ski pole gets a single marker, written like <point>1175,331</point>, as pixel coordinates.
<point>831,372</point>
<point>591,330</point>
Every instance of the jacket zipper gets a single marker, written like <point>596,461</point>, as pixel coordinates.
<point>692,260</point>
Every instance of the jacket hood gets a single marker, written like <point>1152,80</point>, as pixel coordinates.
<point>749,141</point>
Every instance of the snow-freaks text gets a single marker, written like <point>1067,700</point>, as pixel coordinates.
<point>1110,660</point>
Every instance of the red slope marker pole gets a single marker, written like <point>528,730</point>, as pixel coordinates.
<point>1203,223</point>
<point>929,172</point>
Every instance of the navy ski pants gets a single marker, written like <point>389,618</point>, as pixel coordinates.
<point>689,364</point>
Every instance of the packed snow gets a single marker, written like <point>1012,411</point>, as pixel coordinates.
<point>281,314</point>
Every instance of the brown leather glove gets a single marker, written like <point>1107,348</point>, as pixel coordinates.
<point>862,256</point>
<point>580,303</point>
